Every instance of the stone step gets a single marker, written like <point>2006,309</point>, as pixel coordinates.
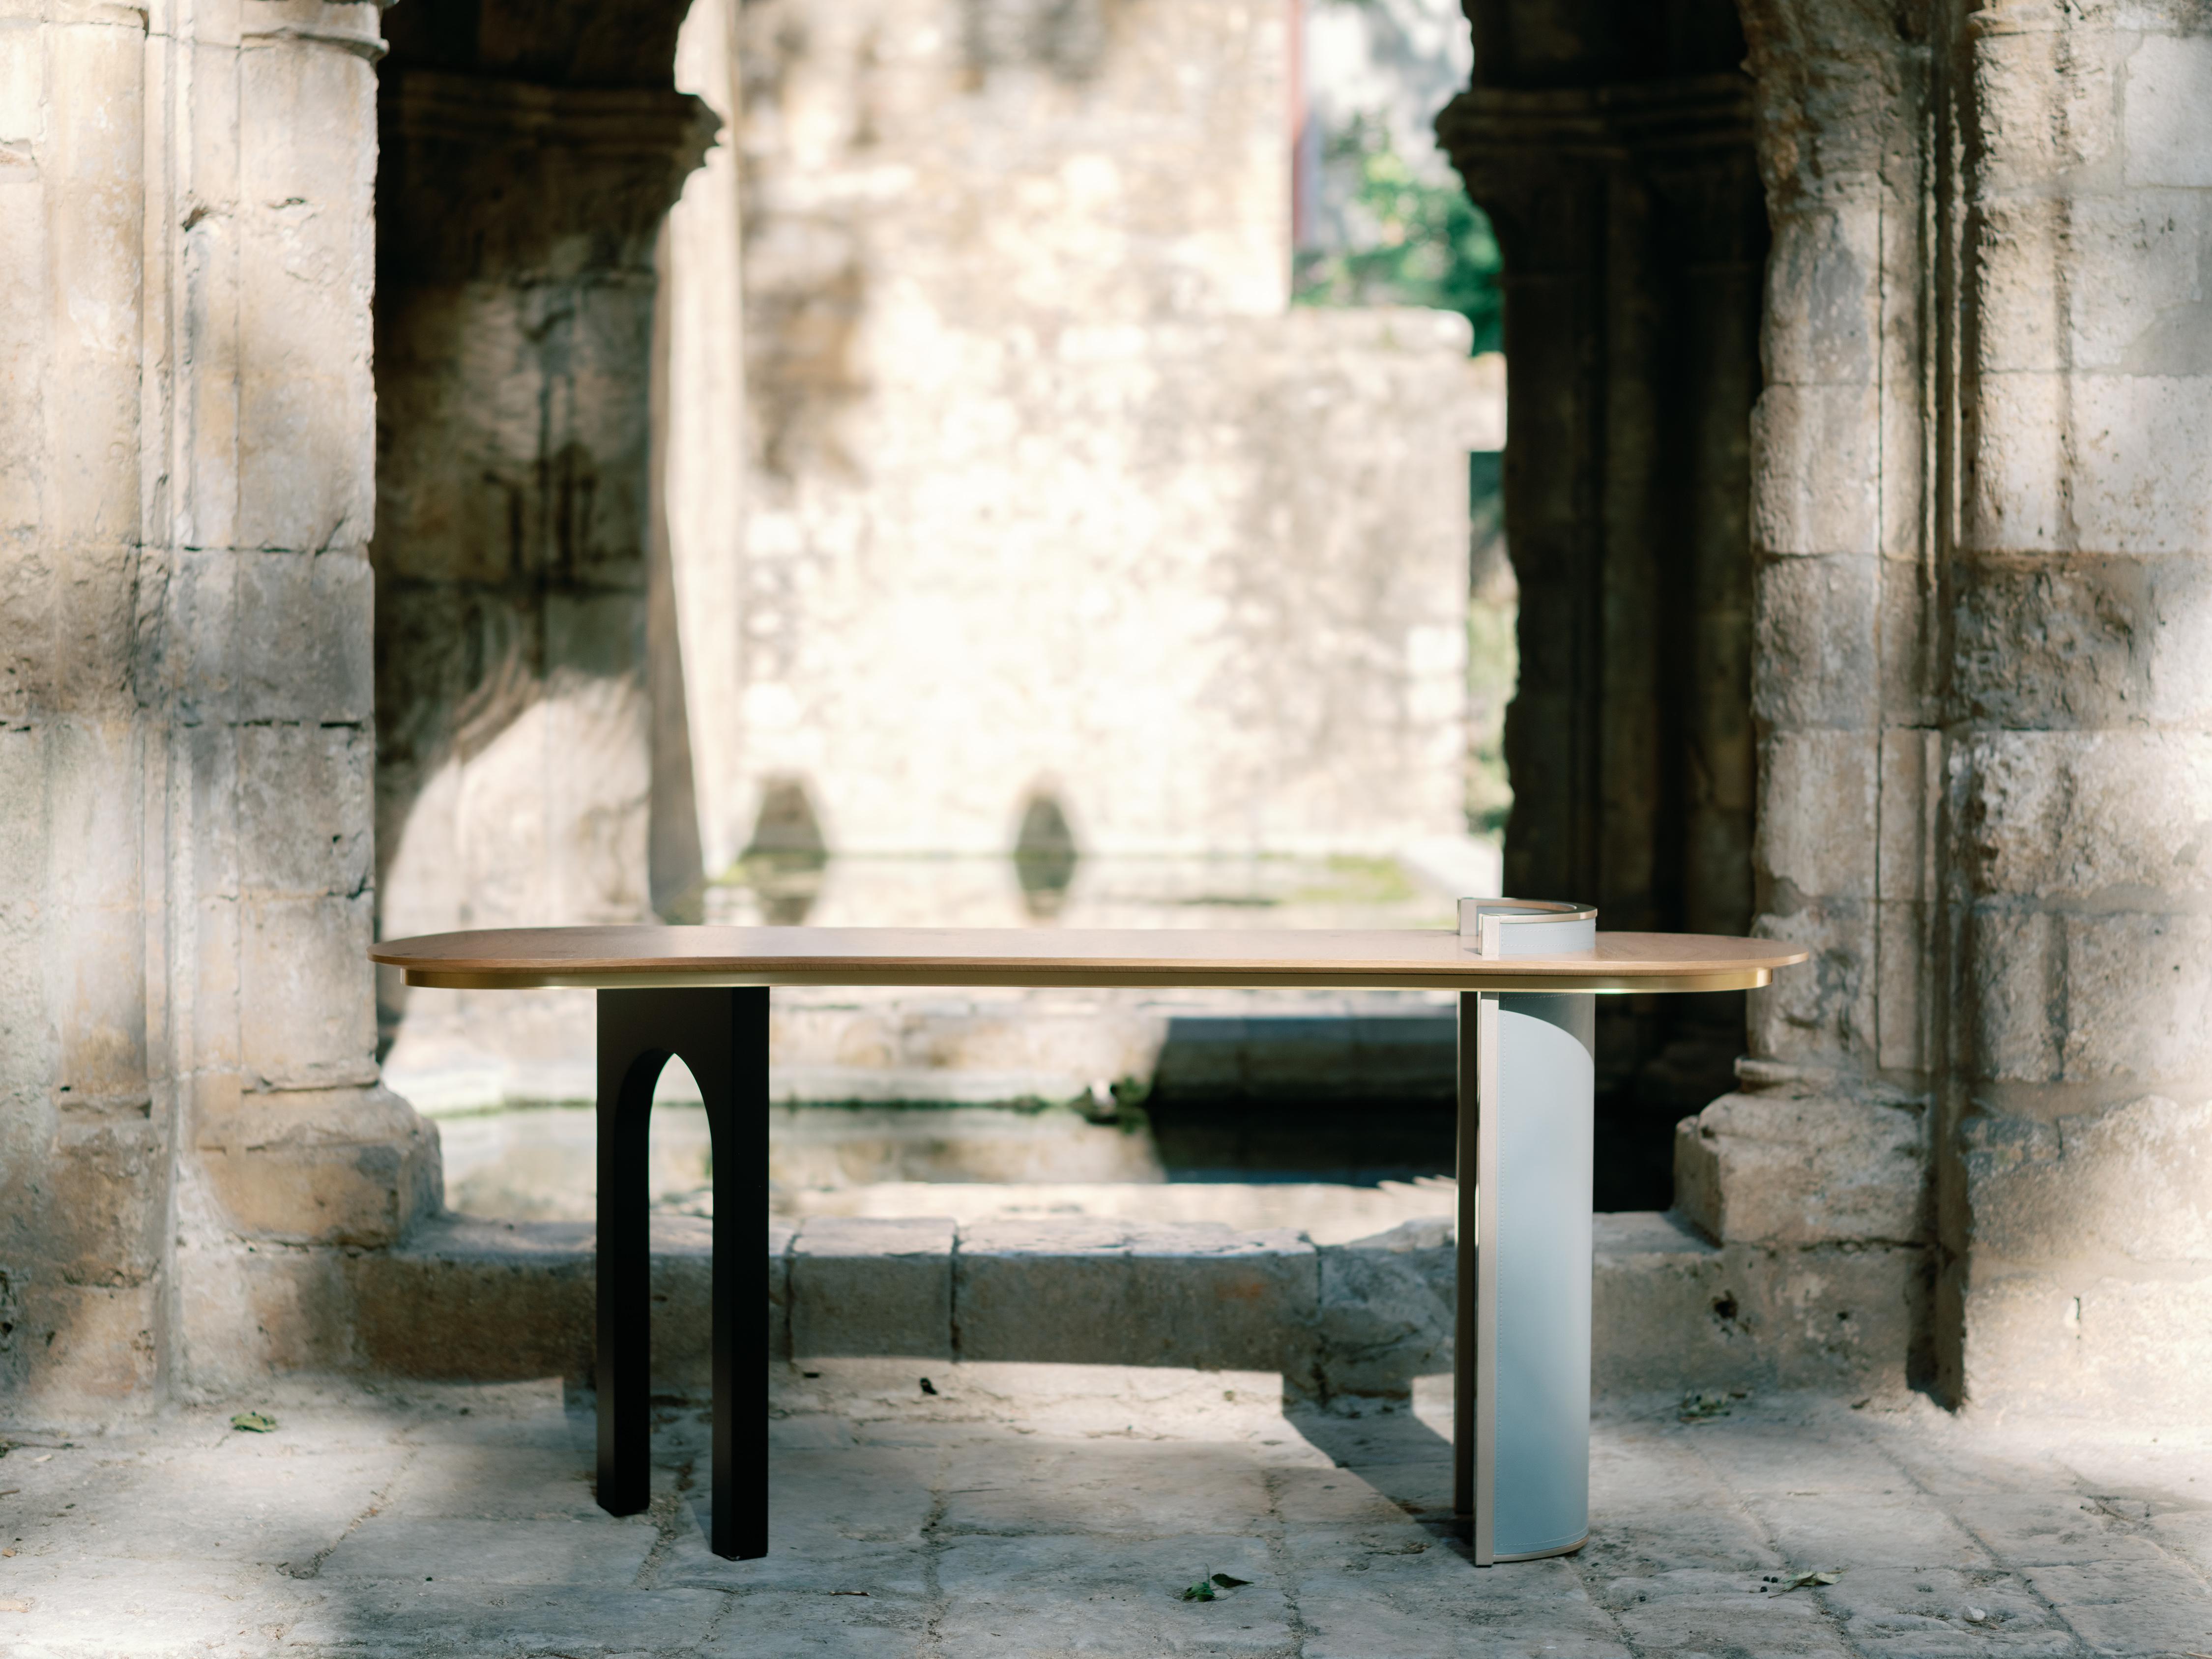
<point>1343,1323</point>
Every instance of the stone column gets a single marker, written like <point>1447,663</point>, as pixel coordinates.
<point>1982,507</point>
<point>187,1071</point>
<point>1817,1163</point>
<point>1622,187</point>
<point>2075,1173</point>
<point>514,336</point>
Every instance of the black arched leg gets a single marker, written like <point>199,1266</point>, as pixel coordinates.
<point>721,1035</point>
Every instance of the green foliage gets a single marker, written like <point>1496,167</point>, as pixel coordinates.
<point>1424,243</point>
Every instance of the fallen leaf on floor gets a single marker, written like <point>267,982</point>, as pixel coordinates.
<point>1227,1583</point>
<point>46,1458</point>
<point>14,1606</point>
<point>253,1422</point>
<point>1701,1403</point>
<point>1816,1575</point>
<point>1201,1591</point>
<point>928,1387</point>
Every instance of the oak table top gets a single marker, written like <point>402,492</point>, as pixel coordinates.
<point>1139,958</point>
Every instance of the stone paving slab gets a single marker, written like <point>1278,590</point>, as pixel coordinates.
<point>423,1520</point>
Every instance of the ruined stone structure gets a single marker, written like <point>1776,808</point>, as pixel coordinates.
<point>190,1118</point>
<point>1003,507</point>
<point>1047,500</point>
<point>1614,156</point>
<point>1978,507</point>
<point>1973,507</point>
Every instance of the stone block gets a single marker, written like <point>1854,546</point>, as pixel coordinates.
<point>24,854</point>
<point>25,275</point>
<point>2047,103</point>
<point>30,590</point>
<point>1110,1292</point>
<point>1824,1010</point>
<point>486,1300</point>
<point>2132,1182</point>
<point>1664,1312</point>
<point>246,1309</point>
<point>107,1188</point>
<point>93,168</point>
<point>209,789</point>
<point>305,622</point>
<point>2113,487</point>
<point>873,1287</point>
<point>99,1351</point>
<point>1912,797</point>
<point>1385,1312</point>
<point>1838,1316</point>
<point>1816,490</point>
<point>2016,977</point>
<point>304,812</point>
<point>1815,660</point>
<point>1911,643</point>
<point>2087,817</point>
<point>2136,989</point>
<point>306,430</point>
<point>214,1012</point>
<point>96,787</point>
<point>2060,641</point>
<point>1803,1168</point>
<point>23,93</point>
<point>1905,969</point>
<point>505,1300</point>
<point>323,1166</point>
<point>2134,304</point>
<point>2177,654</point>
<point>99,669</point>
<point>307,999</point>
<point>204,643</point>
<point>2083,1343</point>
<point>1819,812</point>
<point>1824,295</point>
<point>2169,86</point>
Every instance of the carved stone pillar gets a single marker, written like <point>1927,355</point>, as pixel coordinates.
<point>1634,237</point>
<point>514,353</point>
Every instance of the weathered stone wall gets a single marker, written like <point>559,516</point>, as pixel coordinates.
<point>1983,505</point>
<point>188,1110</point>
<point>1046,496</point>
<point>2075,1182</point>
<point>1822,1150</point>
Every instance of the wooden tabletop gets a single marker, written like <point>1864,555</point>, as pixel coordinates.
<point>1146,958</point>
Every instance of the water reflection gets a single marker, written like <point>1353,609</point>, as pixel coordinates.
<point>1050,883</point>
<point>1044,858</point>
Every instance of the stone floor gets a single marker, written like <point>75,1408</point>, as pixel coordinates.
<point>460,1521</point>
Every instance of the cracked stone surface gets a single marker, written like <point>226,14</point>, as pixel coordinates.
<point>460,1520</point>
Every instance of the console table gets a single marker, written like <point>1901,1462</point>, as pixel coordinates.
<point>1526,971</point>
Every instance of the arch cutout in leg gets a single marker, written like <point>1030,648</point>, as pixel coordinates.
<point>721,1035</point>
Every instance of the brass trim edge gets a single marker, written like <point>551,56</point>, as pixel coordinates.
<point>1488,983</point>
